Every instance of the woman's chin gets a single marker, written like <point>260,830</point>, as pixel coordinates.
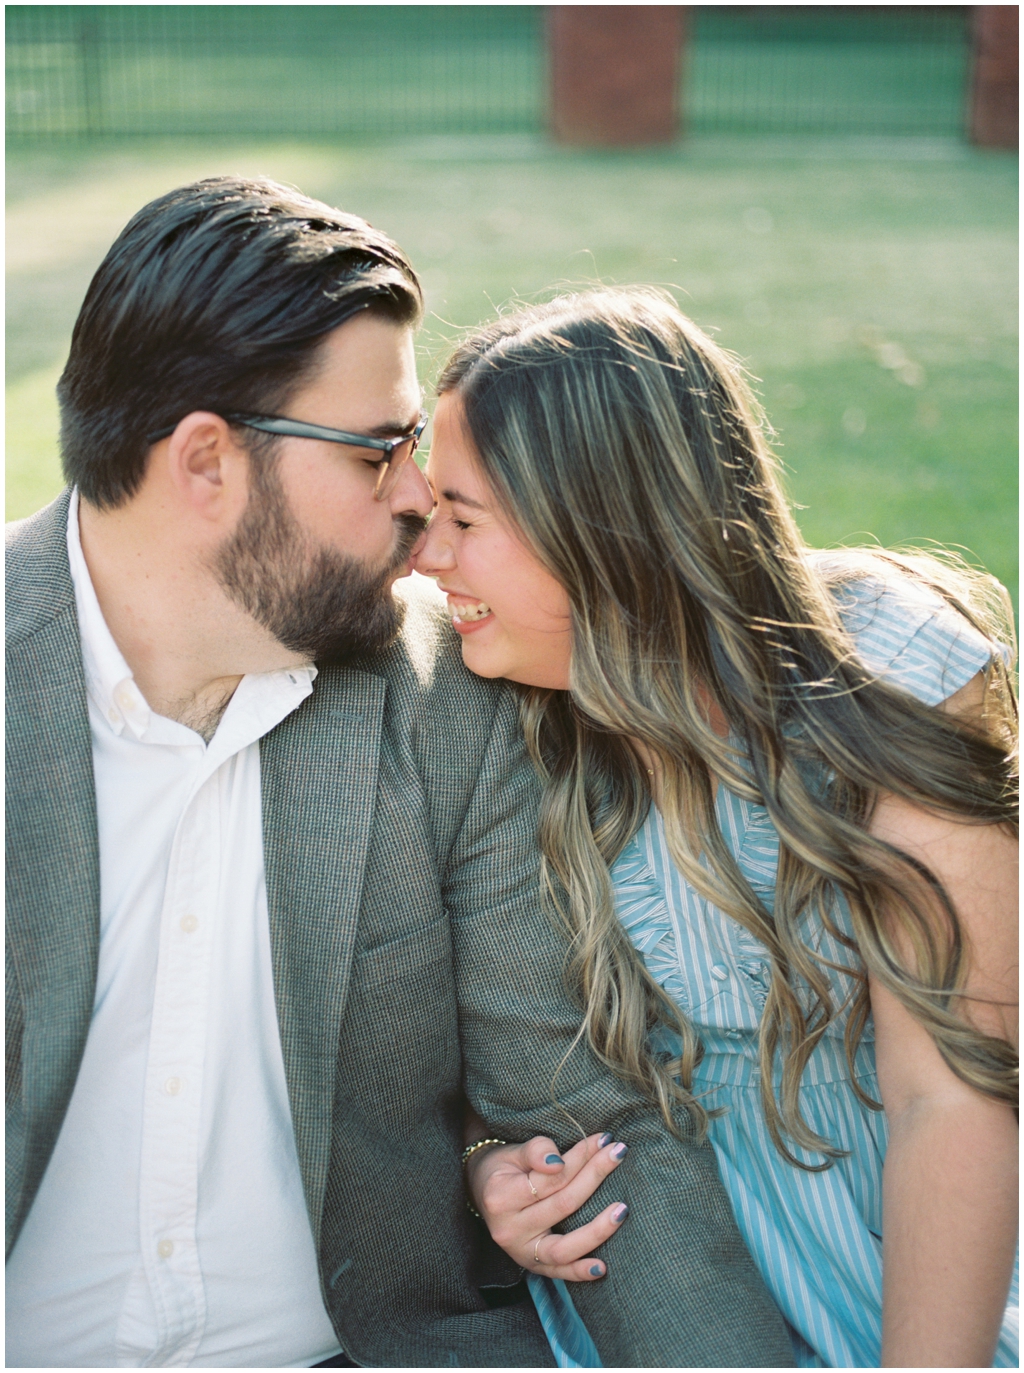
<point>481,663</point>
<point>485,664</point>
<point>490,654</point>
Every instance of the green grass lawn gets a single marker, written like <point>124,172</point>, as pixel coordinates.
<point>868,284</point>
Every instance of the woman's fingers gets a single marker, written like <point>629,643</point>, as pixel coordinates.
<point>548,1211</point>
<point>546,1176</point>
<point>518,1175</point>
<point>504,1185</point>
<point>523,1192</point>
<point>583,1151</point>
<point>583,1270</point>
<point>570,1257</point>
<point>558,1250</point>
<point>541,1155</point>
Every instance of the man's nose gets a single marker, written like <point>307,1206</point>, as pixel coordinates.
<point>412,495</point>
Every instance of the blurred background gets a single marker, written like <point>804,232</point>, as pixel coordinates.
<point>830,191</point>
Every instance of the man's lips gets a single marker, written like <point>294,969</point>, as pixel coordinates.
<point>411,538</point>
<point>417,547</point>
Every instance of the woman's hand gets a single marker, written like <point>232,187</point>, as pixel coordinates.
<point>523,1190</point>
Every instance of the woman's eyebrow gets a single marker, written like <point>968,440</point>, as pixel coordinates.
<point>453,495</point>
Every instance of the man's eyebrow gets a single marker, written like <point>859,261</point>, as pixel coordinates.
<point>393,429</point>
<point>454,496</point>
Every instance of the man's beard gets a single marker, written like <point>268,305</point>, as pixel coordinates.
<point>314,600</point>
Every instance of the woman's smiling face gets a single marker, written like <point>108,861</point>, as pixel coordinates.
<point>512,614</point>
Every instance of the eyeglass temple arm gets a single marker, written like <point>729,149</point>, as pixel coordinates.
<point>272,424</point>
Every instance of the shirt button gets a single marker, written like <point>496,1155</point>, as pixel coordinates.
<point>113,716</point>
<point>732,1034</point>
<point>173,1086</point>
<point>721,972</point>
<point>189,924</point>
<point>165,1248</point>
<point>123,695</point>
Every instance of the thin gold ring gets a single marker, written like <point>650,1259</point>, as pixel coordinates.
<point>536,1257</point>
<point>532,1188</point>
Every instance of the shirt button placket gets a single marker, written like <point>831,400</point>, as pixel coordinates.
<point>169,1181</point>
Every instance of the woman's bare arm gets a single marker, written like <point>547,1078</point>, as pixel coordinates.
<point>949,1183</point>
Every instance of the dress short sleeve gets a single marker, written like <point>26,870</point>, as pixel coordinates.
<point>909,635</point>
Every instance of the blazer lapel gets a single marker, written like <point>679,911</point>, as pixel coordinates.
<point>319,780</point>
<point>53,887</point>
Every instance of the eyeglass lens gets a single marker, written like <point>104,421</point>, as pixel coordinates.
<point>391,469</point>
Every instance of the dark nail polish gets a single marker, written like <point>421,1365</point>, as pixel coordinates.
<point>620,1151</point>
<point>620,1213</point>
<point>603,1140</point>
<point>596,1271</point>
<point>554,1158</point>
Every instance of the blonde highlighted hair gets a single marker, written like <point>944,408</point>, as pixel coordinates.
<point>629,450</point>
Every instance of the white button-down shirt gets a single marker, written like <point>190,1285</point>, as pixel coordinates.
<point>170,1228</point>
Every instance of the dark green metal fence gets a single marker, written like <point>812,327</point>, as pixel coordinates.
<point>273,69</point>
<point>362,70</point>
<point>865,69</point>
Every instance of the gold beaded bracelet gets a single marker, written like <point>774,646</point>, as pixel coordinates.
<point>467,1154</point>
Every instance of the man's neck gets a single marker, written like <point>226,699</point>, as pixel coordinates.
<point>186,642</point>
<point>202,712</point>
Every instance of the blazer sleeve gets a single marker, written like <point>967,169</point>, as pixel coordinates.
<point>681,1290</point>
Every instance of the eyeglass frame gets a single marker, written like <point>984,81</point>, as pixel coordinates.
<point>299,429</point>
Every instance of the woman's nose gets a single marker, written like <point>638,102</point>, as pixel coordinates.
<point>434,555</point>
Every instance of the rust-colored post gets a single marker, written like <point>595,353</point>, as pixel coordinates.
<point>615,73</point>
<point>994,76</point>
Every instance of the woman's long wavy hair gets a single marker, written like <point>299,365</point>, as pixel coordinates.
<point>629,451</point>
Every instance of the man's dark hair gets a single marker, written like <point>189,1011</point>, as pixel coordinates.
<point>214,297</point>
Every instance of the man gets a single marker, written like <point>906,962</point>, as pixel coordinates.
<point>255,905</point>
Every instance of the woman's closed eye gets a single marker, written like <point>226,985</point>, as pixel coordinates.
<point>449,516</point>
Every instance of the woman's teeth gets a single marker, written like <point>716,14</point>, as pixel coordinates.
<point>468,611</point>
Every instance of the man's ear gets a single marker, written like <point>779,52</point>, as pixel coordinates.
<point>206,467</point>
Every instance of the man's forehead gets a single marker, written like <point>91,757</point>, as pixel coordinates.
<point>367,368</point>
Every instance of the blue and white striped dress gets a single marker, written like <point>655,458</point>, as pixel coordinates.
<point>815,1237</point>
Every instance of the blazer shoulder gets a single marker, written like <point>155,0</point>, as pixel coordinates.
<point>38,577</point>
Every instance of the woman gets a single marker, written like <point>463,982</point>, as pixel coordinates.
<point>813,920</point>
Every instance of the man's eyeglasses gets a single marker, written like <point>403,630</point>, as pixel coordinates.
<point>397,451</point>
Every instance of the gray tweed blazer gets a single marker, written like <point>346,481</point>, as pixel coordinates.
<point>411,959</point>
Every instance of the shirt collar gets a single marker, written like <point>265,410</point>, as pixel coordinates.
<point>260,701</point>
<point>108,678</point>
